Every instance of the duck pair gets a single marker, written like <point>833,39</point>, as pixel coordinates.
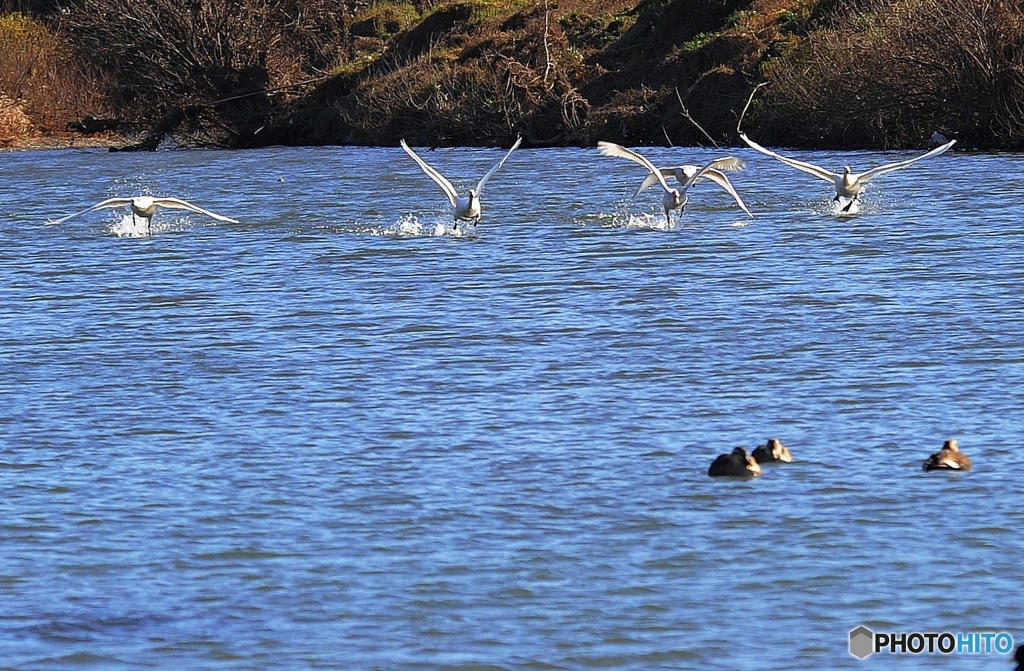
<point>739,464</point>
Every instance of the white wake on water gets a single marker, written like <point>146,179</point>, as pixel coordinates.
<point>135,227</point>
<point>409,226</point>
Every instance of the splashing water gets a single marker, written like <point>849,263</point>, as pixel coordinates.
<point>408,226</point>
<point>650,221</point>
<point>130,227</point>
<point>845,207</point>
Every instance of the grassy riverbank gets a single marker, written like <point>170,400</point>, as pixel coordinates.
<point>244,73</point>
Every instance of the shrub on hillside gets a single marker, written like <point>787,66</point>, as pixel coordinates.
<point>42,86</point>
<point>462,76</point>
<point>223,64</point>
<point>890,72</point>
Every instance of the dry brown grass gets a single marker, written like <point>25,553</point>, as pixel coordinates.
<point>14,124</point>
<point>467,75</point>
<point>42,85</point>
<point>224,68</point>
<point>893,71</point>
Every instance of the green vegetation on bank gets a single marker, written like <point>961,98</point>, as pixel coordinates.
<point>243,73</point>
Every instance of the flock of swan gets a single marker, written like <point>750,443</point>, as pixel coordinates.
<point>848,185</point>
<point>742,465</point>
<point>848,188</point>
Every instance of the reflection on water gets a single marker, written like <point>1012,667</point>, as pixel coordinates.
<point>345,434</point>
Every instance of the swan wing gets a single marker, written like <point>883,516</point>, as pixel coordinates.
<point>695,174</point>
<point>483,180</point>
<point>727,163</point>
<point>612,149</point>
<point>108,203</point>
<point>179,204</point>
<point>684,172</point>
<point>889,167</point>
<point>445,185</point>
<point>713,171</point>
<point>809,168</point>
<point>719,178</point>
<point>652,179</point>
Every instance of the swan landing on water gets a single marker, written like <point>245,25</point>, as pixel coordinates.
<point>848,185</point>
<point>144,207</point>
<point>687,175</point>
<point>466,208</point>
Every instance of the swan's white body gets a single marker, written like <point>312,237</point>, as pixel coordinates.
<point>466,207</point>
<point>848,185</point>
<point>144,207</point>
<point>687,175</point>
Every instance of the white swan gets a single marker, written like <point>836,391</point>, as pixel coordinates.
<point>684,173</point>
<point>674,198</point>
<point>848,185</point>
<point>468,207</point>
<point>144,207</point>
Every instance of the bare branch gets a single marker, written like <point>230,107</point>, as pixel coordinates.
<point>690,119</point>
<point>547,47</point>
<point>667,138</point>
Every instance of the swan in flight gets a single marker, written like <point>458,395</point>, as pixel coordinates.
<point>468,207</point>
<point>144,207</point>
<point>687,175</point>
<point>848,185</point>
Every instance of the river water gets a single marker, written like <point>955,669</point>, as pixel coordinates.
<point>338,435</point>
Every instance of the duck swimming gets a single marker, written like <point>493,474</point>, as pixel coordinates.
<point>949,458</point>
<point>771,451</point>
<point>736,463</point>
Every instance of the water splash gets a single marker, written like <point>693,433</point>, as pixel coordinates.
<point>409,226</point>
<point>845,207</point>
<point>848,208</point>
<point>625,217</point>
<point>131,227</point>
<point>650,222</point>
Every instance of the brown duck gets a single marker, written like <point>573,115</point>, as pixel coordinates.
<point>771,451</point>
<point>949,458</point>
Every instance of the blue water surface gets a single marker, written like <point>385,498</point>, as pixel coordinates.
<point>342,434</point>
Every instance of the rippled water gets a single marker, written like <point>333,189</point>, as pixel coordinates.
<point>338,436</point>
